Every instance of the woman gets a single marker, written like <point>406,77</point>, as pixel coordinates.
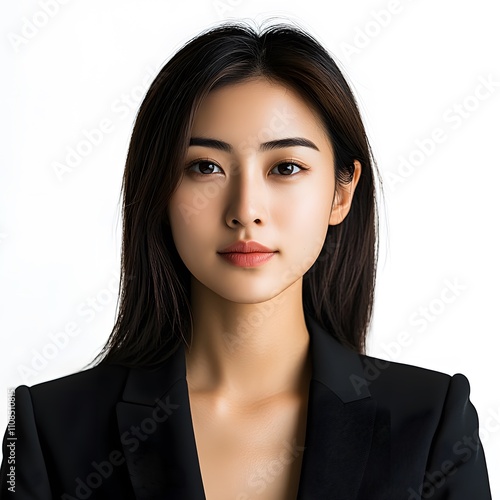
<point>237,367</point>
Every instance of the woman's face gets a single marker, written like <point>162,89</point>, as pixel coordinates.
<point>260,167</point>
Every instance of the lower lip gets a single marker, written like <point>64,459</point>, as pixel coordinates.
<point>250,259</point>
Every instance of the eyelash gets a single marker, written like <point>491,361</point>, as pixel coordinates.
<point>206,160</point>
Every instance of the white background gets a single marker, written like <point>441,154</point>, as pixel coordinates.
<point>413,66</point>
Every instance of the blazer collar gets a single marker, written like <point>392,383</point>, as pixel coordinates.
<point>344,431</point>
<point>332,364</point>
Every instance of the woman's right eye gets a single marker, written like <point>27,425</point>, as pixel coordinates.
<point>204,167</point>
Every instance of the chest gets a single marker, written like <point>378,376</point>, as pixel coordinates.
<point>250,453</point>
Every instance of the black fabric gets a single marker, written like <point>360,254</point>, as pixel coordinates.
<point>376,430</point>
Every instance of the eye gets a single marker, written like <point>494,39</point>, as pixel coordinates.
<point>287,168</point>
<point>203,167</point>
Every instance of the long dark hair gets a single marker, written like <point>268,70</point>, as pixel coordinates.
<point>154,314</point>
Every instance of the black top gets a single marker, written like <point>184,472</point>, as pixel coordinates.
<point>375,430</point>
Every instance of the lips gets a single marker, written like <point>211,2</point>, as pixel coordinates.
<point>246,247</point>
<point>247,254</point>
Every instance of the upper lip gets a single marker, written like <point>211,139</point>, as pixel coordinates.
<point>246,247</point>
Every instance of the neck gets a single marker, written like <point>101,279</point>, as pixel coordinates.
<point>248,352</point>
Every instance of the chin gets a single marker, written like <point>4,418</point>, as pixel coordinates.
<point>247,297</point>
<point>244,292</point>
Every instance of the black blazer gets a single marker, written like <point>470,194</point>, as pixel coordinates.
<point>375,430</point>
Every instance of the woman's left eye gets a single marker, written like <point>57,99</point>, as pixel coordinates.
<point>287,168</point>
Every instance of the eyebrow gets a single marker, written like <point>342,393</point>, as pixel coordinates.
<point>265,146</point>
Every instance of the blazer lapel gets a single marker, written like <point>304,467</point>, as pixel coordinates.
<point>156,433</point>
<point>347,443</point>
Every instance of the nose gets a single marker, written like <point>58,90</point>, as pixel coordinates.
<point>246,201</point>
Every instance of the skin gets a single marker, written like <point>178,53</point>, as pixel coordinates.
<point>248,368</point>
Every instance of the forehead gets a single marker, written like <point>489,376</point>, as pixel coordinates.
<point>257,108</point>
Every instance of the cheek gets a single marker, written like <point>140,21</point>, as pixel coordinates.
<point>190,215</point>
<point>306,220</point>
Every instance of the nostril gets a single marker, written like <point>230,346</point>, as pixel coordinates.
<point>236,221</point>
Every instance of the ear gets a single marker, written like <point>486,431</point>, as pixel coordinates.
<point>343,197</point>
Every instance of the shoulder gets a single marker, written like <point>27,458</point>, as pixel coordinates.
<point>375,367</point>
<point>433,421</point>
<point>421,401</point>
<point>102,376</point>
<point>412,387</point>
<point>100,385</point>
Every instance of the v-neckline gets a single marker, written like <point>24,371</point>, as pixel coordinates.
<point>303,431</point>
